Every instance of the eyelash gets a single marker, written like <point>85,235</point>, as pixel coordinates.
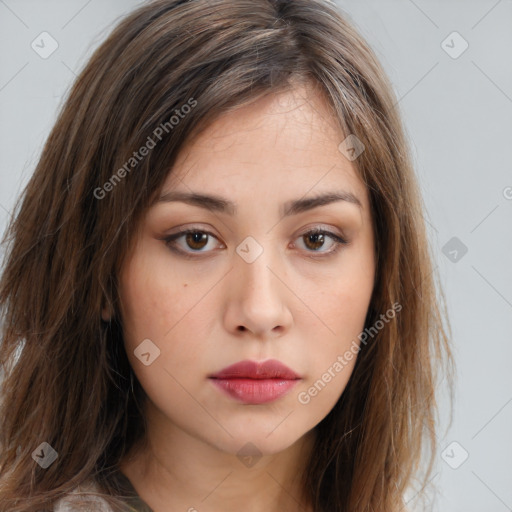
<point>170,240</point>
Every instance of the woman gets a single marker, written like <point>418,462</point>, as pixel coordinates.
<point>218,283</point>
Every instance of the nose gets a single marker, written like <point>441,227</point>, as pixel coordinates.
<point>258,298</point>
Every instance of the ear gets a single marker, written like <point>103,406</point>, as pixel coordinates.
<point>106,313</point>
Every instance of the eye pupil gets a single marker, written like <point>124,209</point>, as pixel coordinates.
<point>317,239</point>
<point>196,238</point>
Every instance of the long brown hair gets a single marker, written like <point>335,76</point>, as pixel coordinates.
<point>66,376</point>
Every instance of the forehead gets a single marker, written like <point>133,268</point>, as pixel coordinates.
<point>284,143</point>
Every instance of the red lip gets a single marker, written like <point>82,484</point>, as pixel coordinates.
<point>271,369</point>
<point>255,383</point>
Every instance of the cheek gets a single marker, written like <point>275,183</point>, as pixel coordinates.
<point>320,394</point>
<point>144,304</point>
<point>152,295</point>
<point>352,290</point>
<point>159,305</point>
<point>342,306</point>
<point>341,300</point>
<point>155,307</point>
<point>332,356</point>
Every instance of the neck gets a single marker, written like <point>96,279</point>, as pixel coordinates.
<point>174,470</point>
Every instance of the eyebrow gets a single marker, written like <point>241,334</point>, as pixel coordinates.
<point>219,204</point>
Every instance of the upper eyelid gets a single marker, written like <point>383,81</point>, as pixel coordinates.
<point>316,227</point>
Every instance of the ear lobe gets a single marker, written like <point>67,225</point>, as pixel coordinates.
<point>106,313</point>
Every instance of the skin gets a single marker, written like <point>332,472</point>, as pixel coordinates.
<point>215,309</point>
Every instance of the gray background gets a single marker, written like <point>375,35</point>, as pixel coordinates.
<point>458,115</point>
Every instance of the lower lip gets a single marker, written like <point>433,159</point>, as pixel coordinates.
<point>255,391</point>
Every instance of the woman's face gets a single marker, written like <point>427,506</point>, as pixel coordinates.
<point>254,283</point>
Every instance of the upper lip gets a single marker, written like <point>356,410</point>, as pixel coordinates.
<point>271,369</point>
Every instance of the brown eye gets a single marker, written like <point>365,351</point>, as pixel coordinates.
<point>190,241</point>
<point>196,240</point>
<point>315,239</point>
<point>193,242</point>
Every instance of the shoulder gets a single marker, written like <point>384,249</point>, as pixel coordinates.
<point>82,498</point>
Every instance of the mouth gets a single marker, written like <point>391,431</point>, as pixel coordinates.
<point>255,383</point>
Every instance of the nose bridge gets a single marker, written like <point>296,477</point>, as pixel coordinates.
<point>257,293</point>
<point>252,268</point>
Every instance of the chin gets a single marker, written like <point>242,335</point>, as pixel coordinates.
<point>261,441</point>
